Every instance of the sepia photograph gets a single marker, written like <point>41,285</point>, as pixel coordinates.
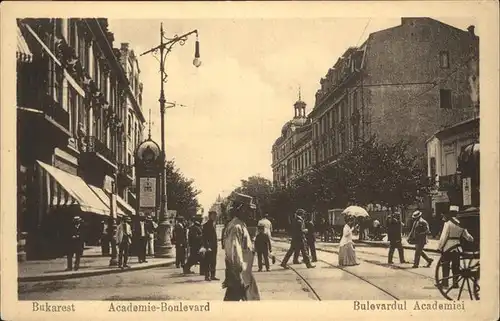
<point>166,161</point>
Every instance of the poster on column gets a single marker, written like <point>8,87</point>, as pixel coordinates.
<point>147,192</point>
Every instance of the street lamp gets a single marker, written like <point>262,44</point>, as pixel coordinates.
<point>164,245</point>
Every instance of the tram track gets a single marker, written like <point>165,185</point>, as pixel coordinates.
<point>317,296</point>
<point>395,267</point>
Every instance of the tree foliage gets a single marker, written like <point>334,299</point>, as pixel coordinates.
<point>181,193</point>
<point>371,173</point>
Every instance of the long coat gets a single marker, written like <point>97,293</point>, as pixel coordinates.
<point>239,258</point>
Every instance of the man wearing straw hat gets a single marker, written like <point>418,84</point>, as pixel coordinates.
<point>418,236</point>
<point>240,283</point>
<point>450,236</point>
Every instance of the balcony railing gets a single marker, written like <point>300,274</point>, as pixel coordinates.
<point>94,145</point>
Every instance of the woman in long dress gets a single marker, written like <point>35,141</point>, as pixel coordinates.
<point>347,255</point>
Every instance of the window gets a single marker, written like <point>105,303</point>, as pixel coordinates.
<point>444,59</point>
<point>129,125</point>
<point>445,98</point>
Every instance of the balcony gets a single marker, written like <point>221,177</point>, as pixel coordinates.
<point>126,172</point>
<point>94,145</point>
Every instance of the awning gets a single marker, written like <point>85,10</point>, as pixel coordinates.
<point>66,189</point>
<point>124,205</point>
<point>23,52</point>
<point>105,198</point>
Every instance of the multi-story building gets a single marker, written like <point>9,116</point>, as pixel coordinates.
<point>291,152</point>
<point>134,122</point>
<point>72,115</point>
<point>408,81</point>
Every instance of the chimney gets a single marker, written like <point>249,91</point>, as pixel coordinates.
<point>471,30</point>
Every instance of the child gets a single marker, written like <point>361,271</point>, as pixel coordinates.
<point>263,248</point>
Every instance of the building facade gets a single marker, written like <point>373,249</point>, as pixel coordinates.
<point>443,151</point>
<point>134,121</point>
<point>408,82</point>
<point>72,96</point>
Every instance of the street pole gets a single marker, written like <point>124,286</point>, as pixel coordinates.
<point>163,247</point>
<point>112,227</point>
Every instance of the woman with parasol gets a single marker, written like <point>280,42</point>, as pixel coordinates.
<point>347,255</point>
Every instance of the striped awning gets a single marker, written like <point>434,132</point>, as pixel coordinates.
<point>65,189</point>
<point>23,52</point>
<point>106,199</point>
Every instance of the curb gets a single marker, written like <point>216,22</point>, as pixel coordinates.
<point>81,274</point>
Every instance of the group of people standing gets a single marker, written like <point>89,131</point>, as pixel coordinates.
<point>128,236</point>
<point>197,243</point>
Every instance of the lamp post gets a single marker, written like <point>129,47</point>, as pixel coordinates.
<point>164,245</point>
<point>112,227</point>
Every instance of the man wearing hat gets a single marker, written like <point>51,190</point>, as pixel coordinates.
<point>298,240</point>
<point>240,283</point>
<point>195,243</point>
<point>266,224</point>
<point>450,236</point>
<point>124,240</point>
<point>142,235</point>
<point>179,239</point>
<point>394,236</point>
<point>418,236</point>
<point>210,244</point>
<point>75,244</point>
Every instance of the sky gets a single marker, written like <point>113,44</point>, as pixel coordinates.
<point>239,98</point>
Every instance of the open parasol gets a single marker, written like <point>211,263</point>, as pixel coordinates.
<point>355,211</point>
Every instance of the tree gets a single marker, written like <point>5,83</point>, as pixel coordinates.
<point>181,194</point>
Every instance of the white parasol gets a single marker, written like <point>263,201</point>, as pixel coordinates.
<point>355,211</point>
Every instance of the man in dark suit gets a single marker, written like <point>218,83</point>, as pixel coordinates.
<point>179,239</point>
<point>394,235</point>
<point>311,237</point>
<point>298,240</point>
<point>142,238</point>
<point>195,242</point>
<point>75,244</point>
<point>210,245</point>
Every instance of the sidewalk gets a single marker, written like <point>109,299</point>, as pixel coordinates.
<point>91,264</point>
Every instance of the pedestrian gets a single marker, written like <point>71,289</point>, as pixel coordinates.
<point>210,245</point>
<point>75,244</point>
<point>105,239</point>
<point>347,254</point>
<point>394,227</point>
<point>298,240</point>
<point>179,239</point>
<point>195,243</point>
<point>239,283</point>
<point>142,236</point>
<point>268,228</point>
<point>450,236</point>
<point>296,253</point>
<point>263,247</point>
<point>311,237</point>
<point>418,236</point>
<point>124,240</point>
<point>151,227</point>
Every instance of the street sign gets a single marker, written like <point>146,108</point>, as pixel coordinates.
<point>466,191</point>
<point>147,192</point>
